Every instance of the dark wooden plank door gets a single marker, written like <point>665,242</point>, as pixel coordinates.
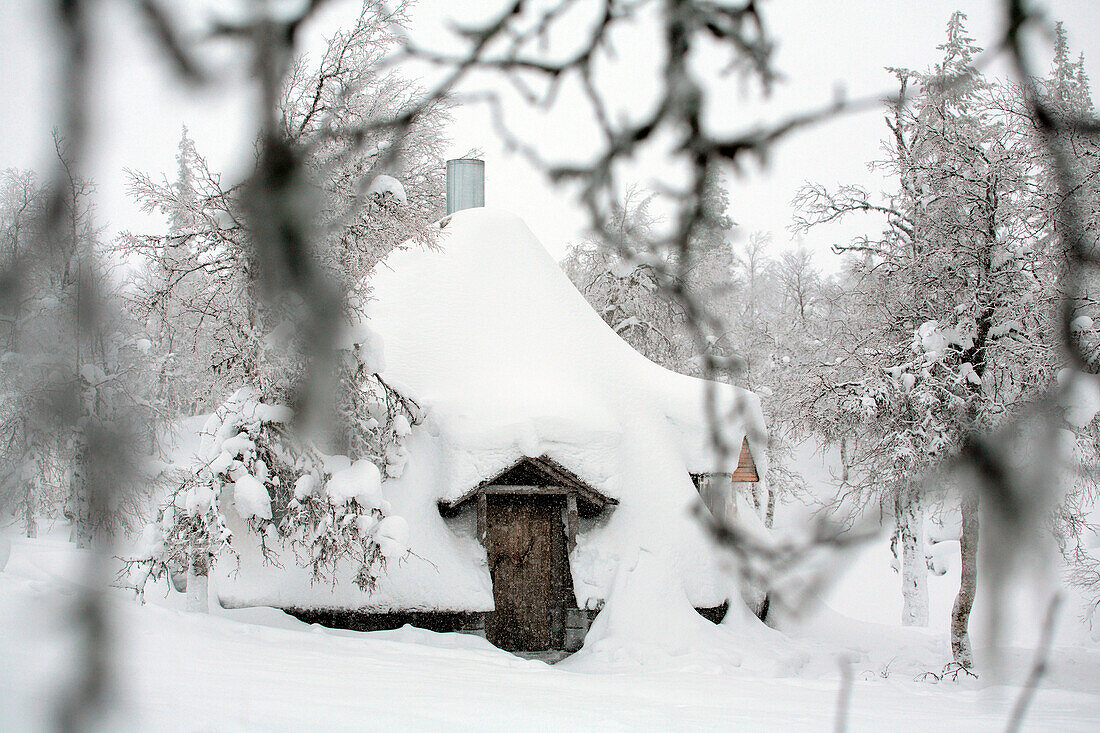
<point>525,537</point>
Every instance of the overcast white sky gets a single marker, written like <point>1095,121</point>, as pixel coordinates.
<point>139,108</point>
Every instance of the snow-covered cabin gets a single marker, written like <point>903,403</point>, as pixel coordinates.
<point>551,459</point>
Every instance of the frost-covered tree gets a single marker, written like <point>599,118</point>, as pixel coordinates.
<point>193,288</point>
<point>370,192</point>
<point>184,280</point>
<point>624,288</point>
<point>627,280</point>
<point>327,510</point>
<point>61,393</point>
<point>780,326</point>
<point>30,485</point>
<point>200,275</point>
<point>1065,91</point>
<point>1066,88</point>
<point>379,188</point>
<point>956,303</point>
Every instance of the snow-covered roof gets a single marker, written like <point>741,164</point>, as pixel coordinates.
<point>539,471</point>
<point>511,361</point>
<point>488,335</point>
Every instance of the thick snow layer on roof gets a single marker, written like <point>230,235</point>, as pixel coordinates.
<point>488,335</point>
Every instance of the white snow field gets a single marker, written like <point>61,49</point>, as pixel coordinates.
<point>258,669</point>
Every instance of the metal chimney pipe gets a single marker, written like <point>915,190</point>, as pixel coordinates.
<point>465,184</point>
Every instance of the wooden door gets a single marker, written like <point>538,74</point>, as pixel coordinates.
<point>525,541</point>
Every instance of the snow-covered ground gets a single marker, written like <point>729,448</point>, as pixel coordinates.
<point>257,669</point>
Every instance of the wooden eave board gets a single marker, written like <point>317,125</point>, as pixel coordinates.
<point>562,482</point>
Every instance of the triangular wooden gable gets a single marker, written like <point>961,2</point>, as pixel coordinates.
<point>531,474</point>
<point>746,467</point>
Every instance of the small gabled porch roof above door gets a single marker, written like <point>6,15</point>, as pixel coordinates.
<point>540,475</point>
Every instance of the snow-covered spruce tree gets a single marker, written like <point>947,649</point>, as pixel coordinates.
<point>186,285</point>
<point>369,192</point>
<point>706,272</point>
<point>956,303</point>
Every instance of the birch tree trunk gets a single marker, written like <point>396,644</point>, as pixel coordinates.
<point>758,499</point>
<point>30,516</point>
<point>198,600</point>
<point>5,552</point>
<point>914,566</point>
<point>844,460</point>
<point>968,581</point>
<point>77,508</point>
